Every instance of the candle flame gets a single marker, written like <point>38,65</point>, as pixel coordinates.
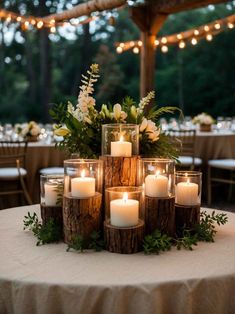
<point>125,196</point>
<point>121,138</point>
<point>83,173</point>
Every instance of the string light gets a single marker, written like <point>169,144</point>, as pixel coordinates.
<point>132,43</point>
<point>230,25</point>
<point>164,49</point>
<point>140,44</point>
<point>164,40</point>
<point>136,50</point>
<point>119,49</point>
<point>156,42</point>
<point>209,37</point>
<point>194,41</point>
<point>39,24</point>
<point>122,45</point>
<point>8,19</point>
<point>196,32</point>
<point>53,29</point>
<point>206,28</point>
<point>217,26</point>
<point>19,18</point>
<point>179,36</point>
<point>182,44</point>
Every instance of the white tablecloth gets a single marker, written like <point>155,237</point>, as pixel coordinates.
<point>47,279</point>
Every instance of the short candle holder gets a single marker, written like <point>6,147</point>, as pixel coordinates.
<point>123,226</point>
<point>120,149</point>
<point>51,188</point>
<point>157,177</point>
<point>82,199</point>
<point>188,200</point>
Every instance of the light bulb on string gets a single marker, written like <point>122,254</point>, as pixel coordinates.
<point>132,43</point>
<point>164,49</point>
<point>156,42</point>
<point>194,41</point>
<point>140,43</point>
<point>179,36</point>
<point>206,28</point>
<point>136,50</point>
<point>26,24</point>
<point>196,32</point>
<point>119,49</point>
<point>32,22</point>
<point>53,29</point>
<point>209,37</point>
<point>217,26</point>
<point>164,40</point>
<point>230,25</point>
<point>182,44</point>
<point>19,18</point>
<point>122,45</point>
<point>40,24</point>
<point>8,19</point>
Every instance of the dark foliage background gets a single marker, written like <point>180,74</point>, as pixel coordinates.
<point>38,68</point>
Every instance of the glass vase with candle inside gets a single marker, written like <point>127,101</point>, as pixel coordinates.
<point>82,197</point>
<point>120,140</point>
<point>123,227</point>
<point>51,191</point>
<point>157,176</point>
<point>188,188</point>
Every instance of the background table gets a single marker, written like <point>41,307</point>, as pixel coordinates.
<point>47,279</point>
<point>215,145</point>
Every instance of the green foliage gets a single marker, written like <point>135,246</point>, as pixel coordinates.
<point>156,242</point>
<point>47,233</point>
<point>95,242</point>
<point>205,231</point>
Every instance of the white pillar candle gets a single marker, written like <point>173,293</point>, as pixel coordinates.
<point>121,148</point>
<point>156,185</point>
<point>51,194</point>
<point>187,193</point>
<point>124,212</point>
<point>83,187</point>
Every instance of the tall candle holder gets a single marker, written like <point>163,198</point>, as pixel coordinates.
<point>188,199</point>
<point>123,226</point>
<point>157,177</point>
<point>82,197</point>
<point>120,150</point>
<point>51,190</point>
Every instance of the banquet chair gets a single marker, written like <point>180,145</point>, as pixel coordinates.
<point>51,170</point>
<point>12,169</point>
<point>227,165</point>
<point>185,139</point>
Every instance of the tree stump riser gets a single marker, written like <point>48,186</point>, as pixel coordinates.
<point>186,217</point>
<point>160,214</point>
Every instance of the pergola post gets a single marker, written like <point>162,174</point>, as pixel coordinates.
<point>149,22</point>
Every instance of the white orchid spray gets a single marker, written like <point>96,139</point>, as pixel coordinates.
<point>81,125</point>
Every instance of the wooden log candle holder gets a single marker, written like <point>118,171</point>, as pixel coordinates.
<point>127,240</point>
<point>54,212</point>
<point>81,216</point>
<point>160,214</point>
<point>186,217</point>
<point>120,171</point>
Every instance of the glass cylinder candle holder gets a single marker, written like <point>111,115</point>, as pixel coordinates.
<point>51,187</point>
<point>123,206</point>
<point>83,178</point>
<point>120,140</point>
<point>157,177</point>
<point>188,186</point>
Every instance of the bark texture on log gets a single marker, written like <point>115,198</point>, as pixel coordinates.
<point>186,217</point>
<point>120,171</point>
<point>160,214</point>
<point>81,216</point>
<point>124,240</point>
<point>54,212</point>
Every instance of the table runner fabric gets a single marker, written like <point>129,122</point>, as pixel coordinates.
<point>48,280</point>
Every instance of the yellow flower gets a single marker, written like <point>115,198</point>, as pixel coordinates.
<point>63,131</point>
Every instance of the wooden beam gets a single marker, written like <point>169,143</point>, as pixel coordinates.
<point>175,6</point>
<point>149,22</point>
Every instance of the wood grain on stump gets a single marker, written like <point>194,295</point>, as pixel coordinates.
<point>160,214</point>
<point>54,212</point>
<point>120,171</point>
<point>186,217</point>
<point>81,216</point>
<point>124,240</point>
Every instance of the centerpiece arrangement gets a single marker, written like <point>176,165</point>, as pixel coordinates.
<point>123,182</point>
<point>29,131</point>
<point>205,121</point>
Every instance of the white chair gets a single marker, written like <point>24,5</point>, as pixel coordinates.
<point>222,164</point>
<point>52,170</point>
<point>12,169</point>
<point>186,143</point>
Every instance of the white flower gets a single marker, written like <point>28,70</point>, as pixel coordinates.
<point>203,118</point>
<point>150,126</point>
<point>117,111</point>
<point>143,125</point>
<point>123,116</point>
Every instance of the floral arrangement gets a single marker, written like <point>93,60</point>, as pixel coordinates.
<point>203,118</point>
<point>81,125</point>
<point>30,129</point>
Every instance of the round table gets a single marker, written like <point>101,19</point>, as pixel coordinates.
<point>47,279</point>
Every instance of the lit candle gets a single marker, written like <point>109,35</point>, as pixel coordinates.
<point>186,193</point>
<point>51,194</point>
<point>124,212</point>
<point>156,185</point>
<point>83,187</point>
<point>121,148</point>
